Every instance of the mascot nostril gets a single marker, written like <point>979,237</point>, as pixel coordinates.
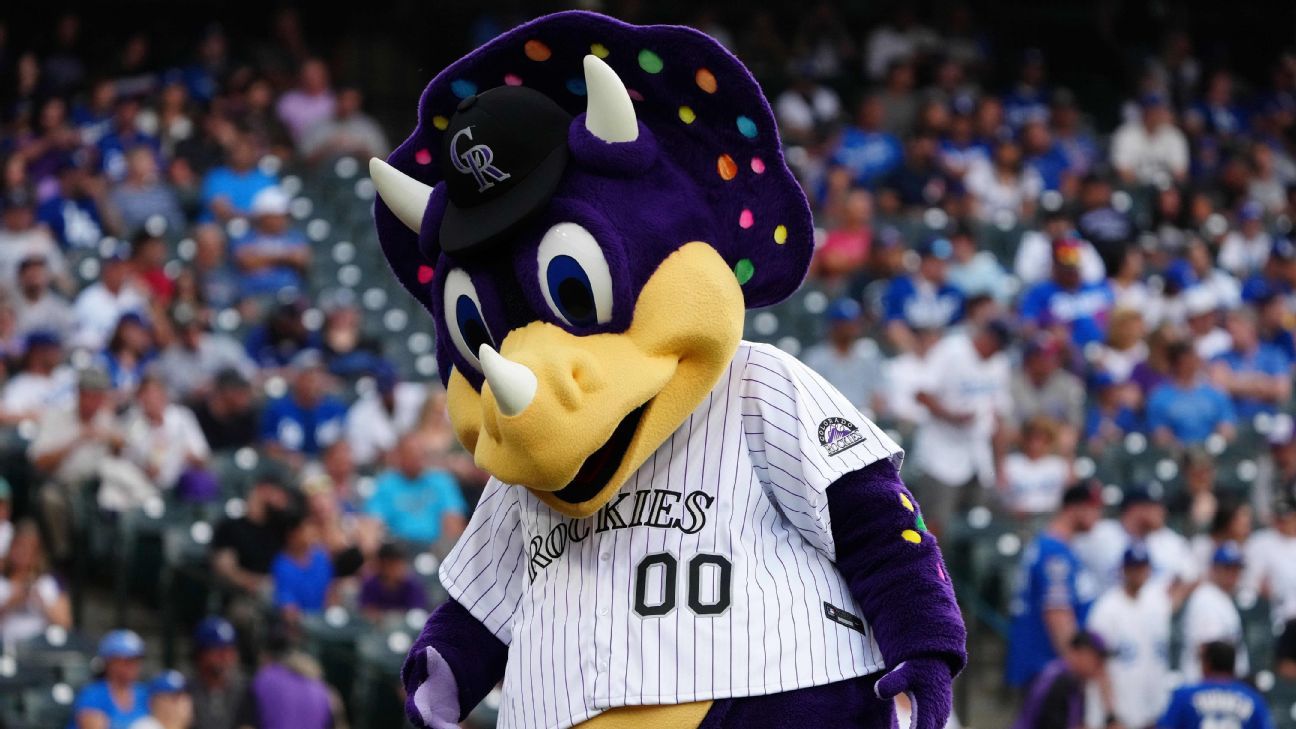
<point>700,531</point>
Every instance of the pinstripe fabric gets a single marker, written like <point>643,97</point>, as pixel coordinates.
<point>583,603</point>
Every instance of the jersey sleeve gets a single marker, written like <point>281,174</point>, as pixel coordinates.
<point>486,570</point>
<point>803,435</point>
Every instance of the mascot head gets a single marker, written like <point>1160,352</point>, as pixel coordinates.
<point>587,208</point>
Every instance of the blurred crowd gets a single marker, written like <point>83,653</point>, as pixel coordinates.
<point>1035,303</point>
<point>143,198</point>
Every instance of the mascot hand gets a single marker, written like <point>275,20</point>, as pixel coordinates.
<point>432,697</point>
<point>927,682</point>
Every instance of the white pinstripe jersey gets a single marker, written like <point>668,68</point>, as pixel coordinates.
<point>709,575</point>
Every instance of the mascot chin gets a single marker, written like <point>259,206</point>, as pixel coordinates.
<point>683,529</point>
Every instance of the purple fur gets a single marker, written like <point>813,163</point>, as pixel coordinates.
<point>678,197</point>
<point>475,657</point>
<point>890,577</point>
<point>624,159</point>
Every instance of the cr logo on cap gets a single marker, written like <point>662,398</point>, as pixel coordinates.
<point>476,160</point>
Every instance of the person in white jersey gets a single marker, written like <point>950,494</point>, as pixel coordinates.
<point>1133,618</point>
<point>682,529</point>
<point>1210,614</point>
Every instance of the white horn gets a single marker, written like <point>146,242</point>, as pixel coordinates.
<point>610,114</point>
<point>405,196</point>
<point>513,384</point>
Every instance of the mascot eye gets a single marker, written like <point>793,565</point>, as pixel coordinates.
<point>574,276</point>
<point>463,316</point>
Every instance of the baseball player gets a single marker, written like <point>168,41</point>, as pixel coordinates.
<point>1210,615</point>
<point>1133,619</point>
<point>1219,700</point>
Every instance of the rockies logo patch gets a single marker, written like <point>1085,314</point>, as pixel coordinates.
<point>836,435</point>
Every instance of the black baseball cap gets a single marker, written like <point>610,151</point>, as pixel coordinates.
<point>502,157</point>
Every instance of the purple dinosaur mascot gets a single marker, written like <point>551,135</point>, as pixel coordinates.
<point>682,529</point>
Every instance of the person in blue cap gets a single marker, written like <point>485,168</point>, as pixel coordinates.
<point>118,699</point>
<point>849,362</point>
<point>169,704</point>
<point>1133,618</point>
<point>1210,613</point>
<point>923,299</point>
<point>218,685</point>
<point>1219,700</point>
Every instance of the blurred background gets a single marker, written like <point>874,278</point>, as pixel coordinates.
<point>1054,260</point>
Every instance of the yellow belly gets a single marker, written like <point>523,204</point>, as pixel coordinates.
<point>674,716</point>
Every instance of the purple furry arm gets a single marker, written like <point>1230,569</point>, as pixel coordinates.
<point>473,654</point>
<point>901,587</point>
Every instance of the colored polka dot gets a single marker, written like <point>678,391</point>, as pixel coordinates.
<point>599,50</point>
<point>634,95</point>
<point>423,157</point>
<point>758,165</point>
<point>649,61</point>
<point>705,80</point>
<point>904,500</point>
<point>424,274</point>
<point>745,219</point>
<point>463,88</point>
<point>512,79</point>
<point>537,50</point>
<point>780,234</point>
<point>686,115</point>
<point>922,525</point>
<point>440,122</point>
<point>911,536</point>
<point>744,270</point>
<point>747,127</point>
<point>726,166</point>
<point>940,572</point>
<point>576,86</point>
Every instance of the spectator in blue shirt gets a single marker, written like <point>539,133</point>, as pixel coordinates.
<point>1219,700</point>
<point>1053,596</point>
<point>869,152</point>
<point>1027,101</point>
<point>308,418</point>
<point>923,299</point>
<point>1109,417</point>
<point>228,191</point>
<point>302,572</point>
<point>1256,375</point>
<point>1272,325</point>
<point>418,503</point>
<point>1066,302</point>
<point>73,214</point>
<point>123,137</point>
<point>118,699</point>
<point>1186,410</point>
<point>1048,160</point>
<point>273,256</point>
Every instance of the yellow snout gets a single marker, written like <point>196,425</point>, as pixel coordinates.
<point>576,393</point>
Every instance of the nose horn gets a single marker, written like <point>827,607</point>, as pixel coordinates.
<point>405,196</point>
<point>513,384</point>
<point>609,113</point>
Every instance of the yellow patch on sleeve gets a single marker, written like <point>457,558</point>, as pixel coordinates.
<point>911,536</point>
<point>906,502</point>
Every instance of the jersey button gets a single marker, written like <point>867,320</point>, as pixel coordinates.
<point>603,611</point>
<point>605,556</point>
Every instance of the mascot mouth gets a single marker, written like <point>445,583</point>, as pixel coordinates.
<point>603,463</point>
